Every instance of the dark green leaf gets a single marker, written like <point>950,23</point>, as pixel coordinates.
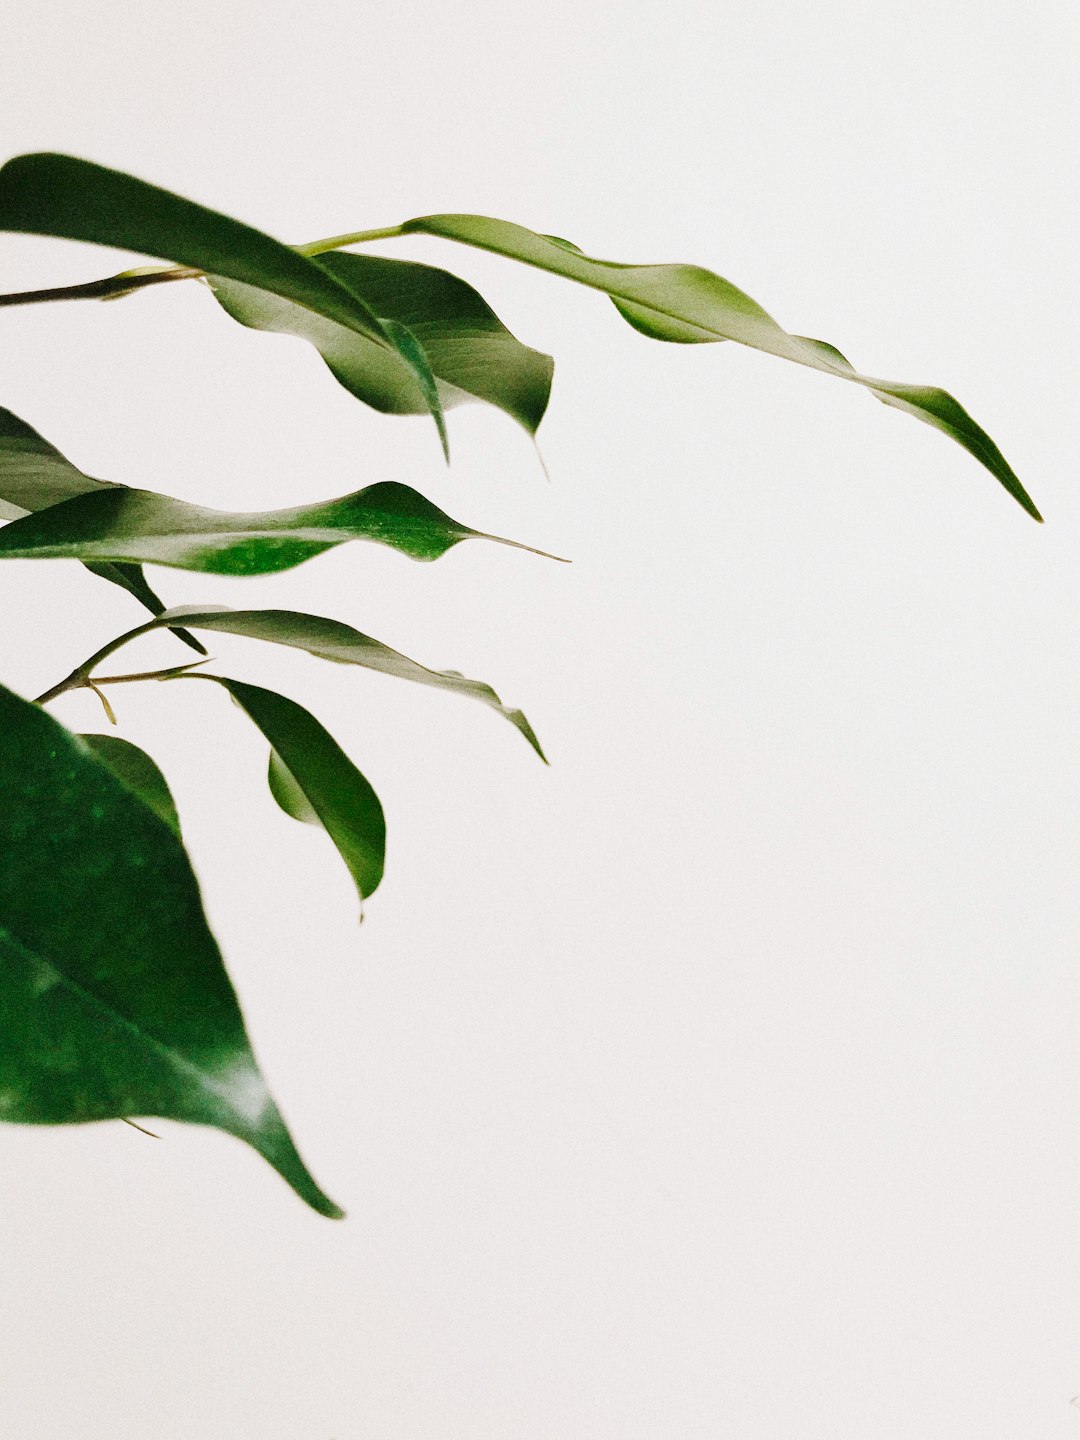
<point>47,194</point>
<point>333,640</point>
<point>472,354</point>
<point>689,305</point>
<point>34,475</point>
<point>114,996</point>
<point>119,524</point>
<point>313,780</point>
<point>135,769</point>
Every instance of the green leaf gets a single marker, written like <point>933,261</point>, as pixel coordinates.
<point>115,999</point>
<point>34,475</point>
<point>46,194</point>
<point>313,780</point>
<point>689,305</point>
<point>135,769</point>
<point>472,354</point>
<point>121,524</point>
<point>333,640</point>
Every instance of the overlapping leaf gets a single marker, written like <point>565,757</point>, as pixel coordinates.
<point>142,776</point>
<point>472,354</point>
<point>34,476</point>
<point>115,999</point>
<point>314,781</point>
<point>689,305</point>
<point>334,640</point>
<point>121,524</point>
<point>60,195</point>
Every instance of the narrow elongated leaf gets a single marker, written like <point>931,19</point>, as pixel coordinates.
<point>689,305</point>
<point>114,997</point>
<point>334,640</point>
<point>472,354</point>
<point>46,194</point>
<point>313,780</point>
<point>135,769</point>
<point>34,475</point>
<point>121,524</point>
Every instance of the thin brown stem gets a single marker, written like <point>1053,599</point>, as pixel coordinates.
<point>81,674</point>
<point>115,286</point>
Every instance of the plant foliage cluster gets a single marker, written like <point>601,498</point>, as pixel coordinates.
<point>115,998</point>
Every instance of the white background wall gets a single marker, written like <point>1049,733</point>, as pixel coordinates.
<point>724,1080</point>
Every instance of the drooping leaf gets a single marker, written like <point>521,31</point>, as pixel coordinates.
<point>34,475</point>
<point>46,194</point>
<point>313,780</point>
<point>472,354</point>
<point>121,524</point>
<point>689,305</point>
<point>135,769</point>
<point>334,640</point>
<point>114,997</point>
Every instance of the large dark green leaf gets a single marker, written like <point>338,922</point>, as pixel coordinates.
<point>120,524</point>
<point>47,194</point>
<point>689,305</point>
<point>333,640</point>
<point>135,769</point>
<point>114,997</point>
<point>34,475</point>
<point>313,780</point>
<point>472,354</point>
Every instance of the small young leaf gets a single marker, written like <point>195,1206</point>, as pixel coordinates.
<point>135,769</point>
<point>121,524</point>
<point>333,640</point>
<point>115,999</point>
<point>689,305</point>
<point>472,354</point>
<point>313,780</point>
<point>74,199</point>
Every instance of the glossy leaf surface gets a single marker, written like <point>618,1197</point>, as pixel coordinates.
<point>47,194</point>
<point>114,997</point>
<point>689,305</point>
<point>121,524</point>
<point>334,640</point>
<point>34,475</point>
<point>313,780</point>
<point>472,354</point>
<point>135,769</point>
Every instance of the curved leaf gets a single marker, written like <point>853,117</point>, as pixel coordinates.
<point>313,780</point>
<point>34,475</point>
<point>333,640</point>
<point>46,194</point>
<point>135,769</point>
<point>472,354</point>
<point>121,524</point>
<point>689,305</point>
<point>115,999</point>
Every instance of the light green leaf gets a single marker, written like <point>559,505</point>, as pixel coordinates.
<point>135,769</point>
<point>333,640</point>
<point>114,997</point>
<point>46,194</point>
<point>689,305</point>
<point>121,524</point>
<point>313,780</point>
<point>472,354</point>
<point>34,475</point>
